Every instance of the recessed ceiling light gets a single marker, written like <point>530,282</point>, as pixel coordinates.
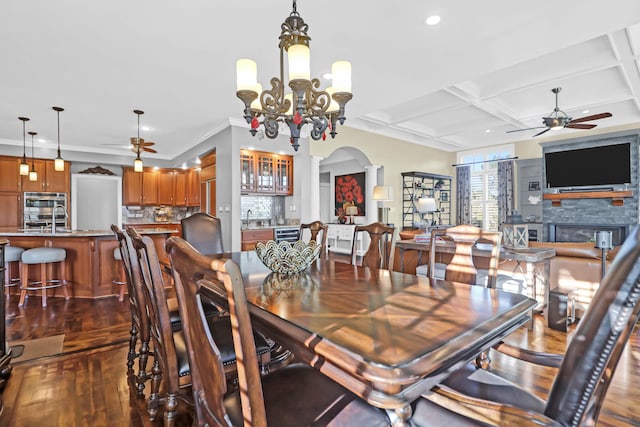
<point>198,161</point>
<point>487,130</point>
<point>145,128</point>
<point>585,111</point>
<point>42,140</point>
<point>433,20</point>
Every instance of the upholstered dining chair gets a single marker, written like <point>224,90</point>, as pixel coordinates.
<point>171,364</point>
<point>203,232</point>
<point>381,248</point>
<point>317,229</point>
<point>296,395</point>
<point>584,371</point>
<point>460,267</point>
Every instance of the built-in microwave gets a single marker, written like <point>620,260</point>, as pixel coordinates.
<point>39,209</point>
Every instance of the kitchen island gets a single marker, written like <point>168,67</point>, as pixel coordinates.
<point>91,267</point>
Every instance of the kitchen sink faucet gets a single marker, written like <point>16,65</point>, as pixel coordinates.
<point>248,213</point>
<point>53,216</point>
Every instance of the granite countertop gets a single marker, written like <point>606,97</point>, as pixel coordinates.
<point>16,232</point>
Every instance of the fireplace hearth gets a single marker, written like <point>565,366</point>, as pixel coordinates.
<point>585,232</point>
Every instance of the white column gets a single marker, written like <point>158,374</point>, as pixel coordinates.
<point>372,205</point>
<point>314,190</point>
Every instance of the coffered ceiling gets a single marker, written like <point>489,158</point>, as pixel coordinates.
<point>486,69</point>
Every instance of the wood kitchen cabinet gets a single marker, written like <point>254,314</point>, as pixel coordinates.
<point>193,187</point>
<point>139,188</point>
<point>48,178</point>
<point>10,209</point>
<point>180,188</point>
<point>166,187</point>
<point>250,238</point>
<point>9,173</point>
<point>266,173</point>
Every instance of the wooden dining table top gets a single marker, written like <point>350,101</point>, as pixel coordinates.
<point>387,336</point>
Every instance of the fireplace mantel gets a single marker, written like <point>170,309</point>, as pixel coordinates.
<point>617,197</point>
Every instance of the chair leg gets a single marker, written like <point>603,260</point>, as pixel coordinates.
<point>23,284</point>
<point>154,395</point>
<point>142,364</point>
<point>43,278</point>
<point>63,279</point>
<point>131,356</point>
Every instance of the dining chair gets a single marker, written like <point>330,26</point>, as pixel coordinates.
<point>139,318</point>
<point>460,267</point>
<point>382,245</point>
<point>171,365</point>
<point>296,395</point>
<point>316,228</point>
<point>584,371</point>
<point>203,232</point>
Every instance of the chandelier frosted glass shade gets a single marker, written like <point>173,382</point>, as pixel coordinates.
<point>300,101</point>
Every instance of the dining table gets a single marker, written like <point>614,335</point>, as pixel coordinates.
<point>386,336</point>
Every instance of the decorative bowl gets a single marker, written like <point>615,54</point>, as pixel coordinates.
<point>288,258</point>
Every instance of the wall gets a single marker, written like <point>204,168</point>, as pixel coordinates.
<point>395,155</point>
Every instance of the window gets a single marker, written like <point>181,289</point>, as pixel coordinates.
<point>484,184</point>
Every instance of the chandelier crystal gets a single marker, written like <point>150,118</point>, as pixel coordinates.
<point>306,103</point>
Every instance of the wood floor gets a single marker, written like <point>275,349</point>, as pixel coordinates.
<point>87,385</point>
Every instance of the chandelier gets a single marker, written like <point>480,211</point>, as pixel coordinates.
<point>306,103</point>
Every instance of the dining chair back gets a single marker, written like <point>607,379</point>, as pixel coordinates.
<point>170,364</point>
<point>382,245</point>
<point>461,267</point>
<point>295,395</point>
<point>317,230</point>
<point>138,309</point>
<point>584,372</point>
<point>203,232</point>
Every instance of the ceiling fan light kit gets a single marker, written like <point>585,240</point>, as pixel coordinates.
<point>305,104</point>
<point>558,119</point>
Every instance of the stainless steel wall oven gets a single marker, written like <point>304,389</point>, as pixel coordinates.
<point>40,208</point>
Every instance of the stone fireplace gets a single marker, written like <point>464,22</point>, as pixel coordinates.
<point>575,214</point>
<point>585,232</point>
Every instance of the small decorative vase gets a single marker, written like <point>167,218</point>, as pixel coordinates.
<point>342,219</point>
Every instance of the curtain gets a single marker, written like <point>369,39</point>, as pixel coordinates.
<point>505,190</point>
<point>463,195</point>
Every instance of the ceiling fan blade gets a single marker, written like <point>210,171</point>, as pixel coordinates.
<point>149,150</point>
<point>540,133</point>
<point>592,117</point>
<point>580,126</point>
<point>520,130</point>
<point>147,143</point>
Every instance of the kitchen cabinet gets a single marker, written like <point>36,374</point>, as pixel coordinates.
<point>180,188</point>
<point>9,173</point>
<point>193,187</point>
<point>266,173</point>
<point>10,209</point>
<point>139,188</point>
<point>49,179</point>
<point>166,187</point>
<point>250,238</point>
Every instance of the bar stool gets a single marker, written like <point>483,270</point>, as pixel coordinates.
<point>121,280</point>
<point>11,254</point>
<point>43,257</point>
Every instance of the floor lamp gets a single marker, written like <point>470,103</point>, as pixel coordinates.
<point>383,193</point>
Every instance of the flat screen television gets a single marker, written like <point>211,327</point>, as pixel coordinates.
<point>589,167</point>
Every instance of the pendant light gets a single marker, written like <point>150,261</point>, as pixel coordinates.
<point>24,166</point>
<point>137,163</point>
<point>33,175</point>
<point>59,161</point>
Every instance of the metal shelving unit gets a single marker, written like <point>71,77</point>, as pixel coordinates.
<point>420,184</point>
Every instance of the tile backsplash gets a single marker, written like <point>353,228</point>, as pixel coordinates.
<point>150,214</point>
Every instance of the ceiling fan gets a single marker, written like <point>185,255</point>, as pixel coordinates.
<point>560,119</point>
<point>144,145</point>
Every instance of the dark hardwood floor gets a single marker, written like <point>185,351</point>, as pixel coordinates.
<point>87,384</point>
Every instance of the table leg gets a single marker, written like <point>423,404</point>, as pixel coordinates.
<point>401,253</point>
<point>400,416</point>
